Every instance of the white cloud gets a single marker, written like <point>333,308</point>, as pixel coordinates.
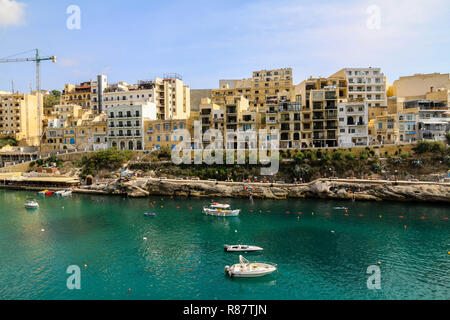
<point>11,13</point>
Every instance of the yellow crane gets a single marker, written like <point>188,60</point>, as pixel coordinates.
<point>38,60</point>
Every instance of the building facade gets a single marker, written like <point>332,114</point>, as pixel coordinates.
<point>353,124</point>
<point>19,118</point>
<point>126,125</point>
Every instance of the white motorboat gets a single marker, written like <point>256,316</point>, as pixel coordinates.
<point>221,210</point>
<point>31,204</point>
<point>241,248</point>
<point>246,269</point>
<point>64,193</point>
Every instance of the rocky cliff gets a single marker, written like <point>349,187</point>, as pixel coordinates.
<point>325,189</point>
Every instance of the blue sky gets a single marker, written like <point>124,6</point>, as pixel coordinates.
<point>205,41</point>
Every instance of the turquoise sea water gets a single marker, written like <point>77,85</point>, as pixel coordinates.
<point>183,255</point>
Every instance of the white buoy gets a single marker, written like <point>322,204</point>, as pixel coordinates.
<point>145,238</point>
<point>43,230</point>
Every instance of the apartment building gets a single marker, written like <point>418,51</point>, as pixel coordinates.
<point>264,86</point>
<point>77,94</point>
<point>365,83</point>
<point>320,97</point>
<point>170,95</point>
<point>161,133</point>
<point>433,118</point>
<point>88,94</point>
<point>19,118</point>
<point>284,114</point>
<point>72,128</point>
<point>418,85</point>
<point>353,124</point>
<point>395,128</point>
<point>126,125</point>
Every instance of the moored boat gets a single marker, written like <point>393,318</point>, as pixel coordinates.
<point>247,269</point>
<point>63,193</point>
<point>42,193</point>
<point>221,210</point>
<point>241,248</point>
<point>150,214</point>
<point>31,204</point>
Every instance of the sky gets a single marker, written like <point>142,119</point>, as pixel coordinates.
<point>208,40</point>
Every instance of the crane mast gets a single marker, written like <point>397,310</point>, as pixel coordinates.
<point>38,60</point>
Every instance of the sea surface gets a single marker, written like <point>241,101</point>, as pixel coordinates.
<point>321,252</point>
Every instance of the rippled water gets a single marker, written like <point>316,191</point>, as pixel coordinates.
<point>183,255</point>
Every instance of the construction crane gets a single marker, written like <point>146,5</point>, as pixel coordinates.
<point>38,60</point>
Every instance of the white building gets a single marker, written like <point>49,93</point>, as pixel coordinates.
<point>170,95</point>
<point>353,124</point>
<point>365,83</point>
<point>126,125</point>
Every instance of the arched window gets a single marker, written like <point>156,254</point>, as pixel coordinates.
<point>130,145</point>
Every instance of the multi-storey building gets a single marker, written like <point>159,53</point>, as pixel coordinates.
<point>126,125</point>
<point>353,124</point>
<point>320,97</point>
<point>260,90</point>
<point>160,133</point>
<point>366,84</point>
<point>418,85</point>
<point>284,115</point>
<point>87,94</point>
<point>433,118</point>
<point>170,95</point>
<point>19,118</point>
<point>394,128</point>
<point>77,94</point>
<point>71,128</point>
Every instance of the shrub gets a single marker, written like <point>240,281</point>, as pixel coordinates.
<point>110,159</point>
<point>350,155</point>
<point>429,146</point>
<point>338,155</point>
<point>299,157</point>
<point>364,155</point>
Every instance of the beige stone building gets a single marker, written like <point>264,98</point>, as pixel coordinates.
<point>170,95</point>
<point>320,98</point>
<point>418,85</point>
<point>264,86</point>
<point>19,118</point>
<point>160,133</point>
<point>77,95</point>
<point>70,128</point>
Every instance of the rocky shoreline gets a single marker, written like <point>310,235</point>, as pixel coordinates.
<point>340,189</point>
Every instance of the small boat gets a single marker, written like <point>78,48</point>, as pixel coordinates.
<point>340,208</point>
<point>150,214</point>
<point>221,210</point>
<point>42,193</point>
<point>246,269</point>
<point>50,193</point>
<point>63,193</point>
<point>241,248</point>
<point>66,193</point>
<point>31,204</point>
